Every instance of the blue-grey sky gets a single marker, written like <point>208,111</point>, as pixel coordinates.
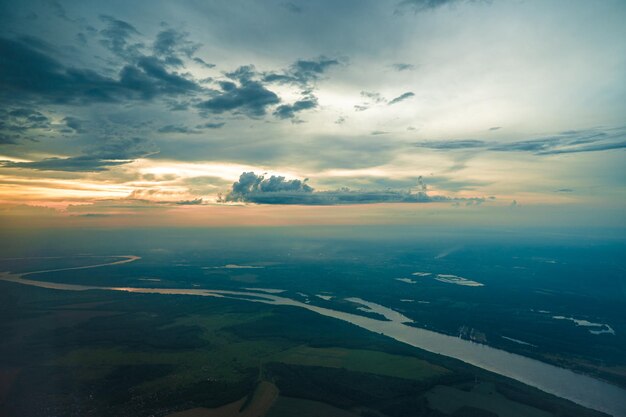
<point>456,103</point>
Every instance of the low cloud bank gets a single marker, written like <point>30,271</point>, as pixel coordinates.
<point>253,188</point>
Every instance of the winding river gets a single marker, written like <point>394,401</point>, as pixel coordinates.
<point>578,388</point>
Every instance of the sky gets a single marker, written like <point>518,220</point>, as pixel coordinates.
<point>312,112</point>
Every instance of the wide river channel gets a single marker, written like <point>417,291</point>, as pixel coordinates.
<point>578,388</point>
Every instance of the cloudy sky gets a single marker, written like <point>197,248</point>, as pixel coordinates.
<point>315,111</point>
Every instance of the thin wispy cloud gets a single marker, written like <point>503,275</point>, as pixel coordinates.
<point>577,141</point>
<point>401,97</point>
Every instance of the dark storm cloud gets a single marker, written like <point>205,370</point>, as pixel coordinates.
<point>249,183</point>
<point>591,140</point>
<point>25,69</point>
<point>252,188</point>
<point>401,97</point>
<point>21,119</point>
<point>17,124</point>
<point>244,73</point>
<point>74,124</point>
<point>170,43</point>
<point>249,97</point>
<point>308,70</point>
<point>162,80</point>
<point>116,37</point>
<point>247,94</point>
<point>111,152</point>
<point>303,71</point>
<point>31,73</point>
<point>287,111</point>
<point>32,70</point>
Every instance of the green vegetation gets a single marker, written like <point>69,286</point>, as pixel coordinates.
<point>368,361</point>
<point>450,400</point>
<point>101,353</point>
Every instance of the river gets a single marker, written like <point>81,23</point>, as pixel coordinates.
<point>578,388</point>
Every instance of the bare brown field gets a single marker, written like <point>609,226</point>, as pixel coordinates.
<point>290,407</point>
<point>257,405</point>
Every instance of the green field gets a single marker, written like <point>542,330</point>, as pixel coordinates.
<point>367,361</point>
<point>140,355</point>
